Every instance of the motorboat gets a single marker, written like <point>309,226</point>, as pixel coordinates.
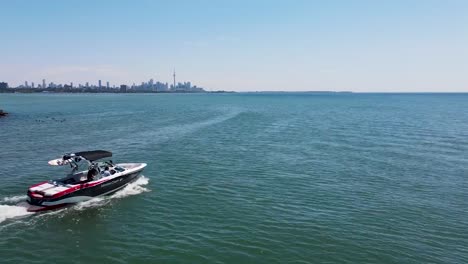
<point>99,177</point>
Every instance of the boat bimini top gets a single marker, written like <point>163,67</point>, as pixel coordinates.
<point>73,158</point>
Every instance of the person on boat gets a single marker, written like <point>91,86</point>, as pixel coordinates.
<point>91,174</point>
<point>106,172</point>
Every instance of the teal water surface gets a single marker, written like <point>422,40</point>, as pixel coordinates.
<point>244,178</point>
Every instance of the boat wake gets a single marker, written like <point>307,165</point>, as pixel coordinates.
<point>9,210</point>
<point>173,132</point>
<point>14,199</point>
<point>133,188</point>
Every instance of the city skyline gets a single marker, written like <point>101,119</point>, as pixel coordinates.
<point>150,86</point>
<point>360,46</point>
<point>98,83</point>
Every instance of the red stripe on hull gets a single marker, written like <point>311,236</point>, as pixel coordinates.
<point>77,187</point>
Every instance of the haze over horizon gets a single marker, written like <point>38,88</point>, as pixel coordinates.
<point>361,46</point>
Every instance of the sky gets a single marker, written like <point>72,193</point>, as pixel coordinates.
<point>256,45</point>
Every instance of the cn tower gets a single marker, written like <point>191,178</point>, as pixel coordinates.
<point>174,79</point>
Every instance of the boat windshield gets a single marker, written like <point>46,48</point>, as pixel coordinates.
<point>108,165</point>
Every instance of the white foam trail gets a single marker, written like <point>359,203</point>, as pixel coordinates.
<point>14,199</point>
<point>133,188</point>
<point>95,202</point>
<point>171,132</point>
<point>8,210</point>
<point>11,211</point>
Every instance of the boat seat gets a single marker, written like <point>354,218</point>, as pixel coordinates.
<point>75,178</point>
<point>80,177</point>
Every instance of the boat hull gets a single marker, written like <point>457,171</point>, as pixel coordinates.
<point>82,192</point>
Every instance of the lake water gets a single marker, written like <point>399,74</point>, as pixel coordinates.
<point>244,178</point>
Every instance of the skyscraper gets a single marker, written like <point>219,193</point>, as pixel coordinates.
<point>99,83</point>
<point>107,84</point>
<point>32,84</point>
<point>123,88</point>
<point>43,83</point>
<point>26,84</point>
<point>174,80</point>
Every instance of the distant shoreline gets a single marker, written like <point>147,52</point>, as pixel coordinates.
<point>70,91</point>
<point>73,91</point>
<point>37,91</point>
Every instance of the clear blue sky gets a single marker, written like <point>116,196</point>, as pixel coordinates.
<point>375,46</point>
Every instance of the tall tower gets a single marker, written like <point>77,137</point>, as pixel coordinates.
<point>174,80</point>
<point>43,83</point>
